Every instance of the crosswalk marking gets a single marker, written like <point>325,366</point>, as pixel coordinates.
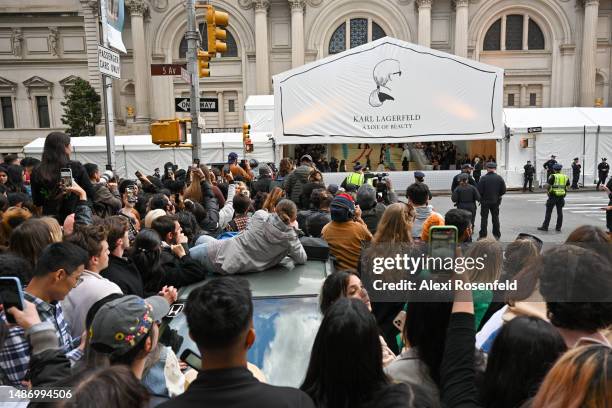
<point>584,205</point>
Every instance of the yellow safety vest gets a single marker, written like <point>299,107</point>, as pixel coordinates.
<point>355,178</point>
<point>559,184</point>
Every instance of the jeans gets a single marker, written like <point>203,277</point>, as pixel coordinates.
<point>200,252</point>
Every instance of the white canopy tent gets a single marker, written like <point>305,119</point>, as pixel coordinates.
<point>259,113</point>
<point>139,153</point>
<point>388,91</point>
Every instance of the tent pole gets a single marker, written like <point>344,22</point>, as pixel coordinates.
<point>583,152</point>
<point>596,161</point>
<point>125,162</point>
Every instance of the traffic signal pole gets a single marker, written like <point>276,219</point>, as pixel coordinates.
<point>193,37</point>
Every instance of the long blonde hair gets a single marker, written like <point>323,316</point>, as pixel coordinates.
<point>491,253</point>
<point>194,191</point>
<point>395,226</point>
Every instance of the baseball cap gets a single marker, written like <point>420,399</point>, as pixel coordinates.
<point>491,165</point>
<point>306,157</point>
<point>333,188</point>
<point>232,157</point>
<point>357,166</point>
<point>121,323</point>
<point>419,174</point>
<point>557,167</point>
<point>466,166</point>
<point>576,158</point>
<point>553,156</point>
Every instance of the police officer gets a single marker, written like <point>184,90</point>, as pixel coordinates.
<point>576,168</point>
<point>557,190</point>
<point>356,178</point>
<point>491,188</point>
<point>603,169</point>
<point>466,195</point>
<point>477,169</point>
<point>465,169</point>
<point>419,178</point>
<point>549,166</point>
<point>528,176</point>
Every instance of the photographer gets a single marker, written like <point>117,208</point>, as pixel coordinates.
<point>243,170</point>
<point>371,209</point>
<point>106,200</point>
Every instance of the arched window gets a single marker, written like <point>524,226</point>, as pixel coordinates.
<point>361,31</point>
<point>232,47</point>
<point>515,32</point>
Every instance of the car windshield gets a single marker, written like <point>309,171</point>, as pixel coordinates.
<point>285,329</point>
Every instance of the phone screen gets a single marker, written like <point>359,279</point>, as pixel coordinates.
<point>11,295</point>
<point>192,359</point>
<point>442,245</point>
<point>66,177</point>
<point>131,194</point>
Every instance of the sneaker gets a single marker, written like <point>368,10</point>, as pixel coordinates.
<point>542,229</point>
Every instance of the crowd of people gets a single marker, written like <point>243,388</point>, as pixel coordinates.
<point>101,260</point>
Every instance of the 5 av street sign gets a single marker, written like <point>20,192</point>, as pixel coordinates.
<point>167,69</point>
<point>206,105</point>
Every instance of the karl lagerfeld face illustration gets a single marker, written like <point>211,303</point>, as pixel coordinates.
<point>384,72</point>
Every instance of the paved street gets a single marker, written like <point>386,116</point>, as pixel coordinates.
<point>525,212</point>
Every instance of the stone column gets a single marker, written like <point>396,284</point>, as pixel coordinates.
<point>424,22</point>
<point>297,32</point>
<point>90,22</point>
<point>525,32</point>
<point>461,28</point>
<point>262,62</point>
<point>221,105</point>
<point>589,45</point>
<point>141,67</point>
<point>523,96</point>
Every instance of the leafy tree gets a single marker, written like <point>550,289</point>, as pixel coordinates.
<point>82,110</point>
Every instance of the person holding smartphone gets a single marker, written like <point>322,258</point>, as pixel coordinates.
<point>47,193</point>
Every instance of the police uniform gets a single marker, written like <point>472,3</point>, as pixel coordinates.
<point>576,168</point>
<point>603,169</point>
<point>528,176</point>
<point>465,198</point>
<point>549,166</point>
<point>491,188</point>
<point>557,190</point>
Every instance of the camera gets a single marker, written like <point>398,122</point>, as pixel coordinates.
<point>107,176</point>
<point>243,163</point>
<point>382,191</point>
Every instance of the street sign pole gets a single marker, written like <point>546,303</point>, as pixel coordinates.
<point>107,85</point>
<point>193,37</point>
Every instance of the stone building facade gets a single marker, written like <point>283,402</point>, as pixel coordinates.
<point>555,52</point>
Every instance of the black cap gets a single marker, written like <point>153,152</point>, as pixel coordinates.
<point>491,165</point>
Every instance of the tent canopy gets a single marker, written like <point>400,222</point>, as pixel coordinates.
<point>259,113</point>
<point>551,120</point>
<point>388,91</point>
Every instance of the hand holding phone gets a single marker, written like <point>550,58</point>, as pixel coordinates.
<point>11,294</point>
<point>443,243</point>
<point>192,359</point>
<point>66,177</point>
<point>138,174</point>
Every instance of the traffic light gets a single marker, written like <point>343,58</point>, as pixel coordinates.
<point>214,21</point>
<point>246,138</point>
<point>169,131</point>
<point>203,64</point>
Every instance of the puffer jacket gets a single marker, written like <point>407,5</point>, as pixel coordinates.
<point>265,242</point>
<point>295,182</point>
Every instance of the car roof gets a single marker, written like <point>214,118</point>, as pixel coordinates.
<point>283,280</point>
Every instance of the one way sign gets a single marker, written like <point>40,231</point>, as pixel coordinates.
<point>206,105</point>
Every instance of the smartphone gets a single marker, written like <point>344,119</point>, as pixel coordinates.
<point>196,162</point>
<point>192,359</point>
<point>66,177</point>
<point>400,321</point>
<point>11,295</point>
<point>442,245</point>
<point>138,174</point>
<point>131,194</point>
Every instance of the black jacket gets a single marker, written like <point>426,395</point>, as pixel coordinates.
<point>307,190</point>
<point>372,216</point>
<point>456,181</point>
<point>576,168</point>
<point>237,388</point>
<point>603,168</point>
<point>124,273</point>
<point>47,194</point>
<point>179,272</point>
<point>210,224</point>
<point>311,222</point>
<point>465,197</point>
<point>549,164</point>
<point>529,170</point>
<point>491,188</point>
<point>263,184</point>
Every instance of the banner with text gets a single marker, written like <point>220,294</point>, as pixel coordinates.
<point>389,91</point>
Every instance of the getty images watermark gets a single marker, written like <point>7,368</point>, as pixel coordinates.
<point>492,270</point>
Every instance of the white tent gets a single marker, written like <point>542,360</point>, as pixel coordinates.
<point>585,133</point>
<point>139,153</point>
<point>388,91</point>
<point>259,113</point>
